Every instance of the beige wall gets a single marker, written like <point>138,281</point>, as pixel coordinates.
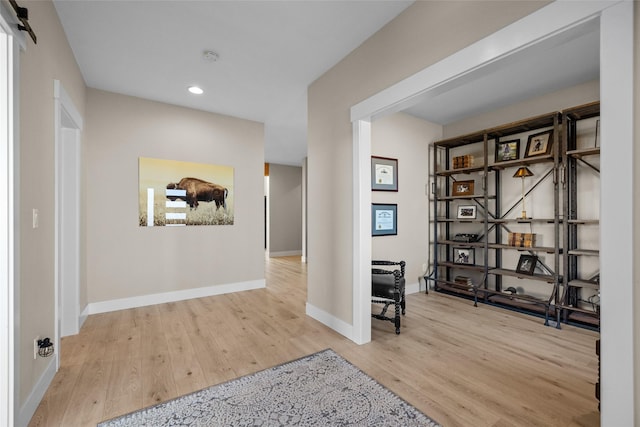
<point>285,210</point>
<point>406,138</point>
<point>125,260</point>
<point>423,34</point>
<point>50,59</point>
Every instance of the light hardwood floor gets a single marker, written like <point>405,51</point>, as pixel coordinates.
<point>461,365</point>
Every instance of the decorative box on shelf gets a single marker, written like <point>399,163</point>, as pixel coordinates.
<point>465,161</point>
<point>522,240</point>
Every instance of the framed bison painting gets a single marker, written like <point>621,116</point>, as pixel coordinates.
<point>175,193</point>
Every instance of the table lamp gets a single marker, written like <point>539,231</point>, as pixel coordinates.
<point>523,172</point>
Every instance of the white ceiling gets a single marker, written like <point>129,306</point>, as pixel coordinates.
<point>270,51</point>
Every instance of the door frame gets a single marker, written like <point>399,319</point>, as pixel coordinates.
<point>616,79</point>
<point>68,128</point>
<point>11,43</point>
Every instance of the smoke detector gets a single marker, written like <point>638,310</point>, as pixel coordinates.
<point>210,55</point>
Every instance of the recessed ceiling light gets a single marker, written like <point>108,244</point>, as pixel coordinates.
<point>210,55</point>
<point>195,90</point>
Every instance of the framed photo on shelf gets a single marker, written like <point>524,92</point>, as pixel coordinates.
<point>507,150</point>
<point>384,219</point>
<point>464,255</point>
<point>527,264</point>
<point>384,174</point>
<point>467,212</point>
<point>539,144</point>
<point>463,188</point>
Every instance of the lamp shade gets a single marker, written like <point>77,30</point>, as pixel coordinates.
<point>522,172</point>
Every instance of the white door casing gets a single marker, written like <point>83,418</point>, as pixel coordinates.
<point>68,123</point>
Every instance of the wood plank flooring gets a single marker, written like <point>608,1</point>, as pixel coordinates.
<point>459,364</point>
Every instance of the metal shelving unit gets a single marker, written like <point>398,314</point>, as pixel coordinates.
<point>575,306</point>
<point>486,285</point>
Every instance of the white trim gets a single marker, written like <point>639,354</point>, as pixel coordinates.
<point>67,152</point>
<point>9,218</point>
<point>285,253</point>
<point>37,393</point>
<point>60,94</point>
<point>84,315</point>
<point>617,216</point>
<point>362,232</point>
<point>616,82</point>
<point>340,326</point>
<point>173,296</point>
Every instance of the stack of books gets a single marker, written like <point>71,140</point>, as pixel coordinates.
<point>464,280</point>
<point>465,161</point>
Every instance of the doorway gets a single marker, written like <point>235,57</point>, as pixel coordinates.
<point>615,21</point>
<point>68,124</point>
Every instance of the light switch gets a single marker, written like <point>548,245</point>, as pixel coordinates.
<point>35,218</point>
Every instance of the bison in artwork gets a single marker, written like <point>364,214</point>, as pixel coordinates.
<point>198,190</point>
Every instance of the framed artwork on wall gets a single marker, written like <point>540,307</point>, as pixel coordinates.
<point>384,174</point>
<point>175,193</point>
<point>384,219</point>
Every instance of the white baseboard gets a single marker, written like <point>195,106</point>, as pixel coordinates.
<point>284,253</point>
<point>411,288</point>
<point>83,316</point>
<point>340,326</point>
<point>152,299</point>
<point>37,393</point>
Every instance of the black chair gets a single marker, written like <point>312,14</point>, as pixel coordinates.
<point>387,287</point>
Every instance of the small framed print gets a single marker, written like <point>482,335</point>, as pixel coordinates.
<point>384,219</point>
<point>384,174</point>
<point>539,144</point>
<point>464,256</point>
<point>527,264</point>
<point>507,150</point>
<point>463,188</point>
<point>467,212</point>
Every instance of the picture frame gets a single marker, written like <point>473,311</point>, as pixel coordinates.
<point>539,144</point>
<point>464,256</point>
<point>384,219</point>
<point>463,188</point>
<point>467,212</point>
<point>527,264</point>
<point>507,150</point>
<point>384,174</point>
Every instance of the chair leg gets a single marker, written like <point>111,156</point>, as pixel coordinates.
<point>403,304</point>
<point>397,318</point>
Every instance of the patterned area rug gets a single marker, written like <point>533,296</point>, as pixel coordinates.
<point>322,389</point>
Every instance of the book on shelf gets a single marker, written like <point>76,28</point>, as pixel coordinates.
<point>463,280</point>
<point>522,240</point>
<point>465,161</point>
